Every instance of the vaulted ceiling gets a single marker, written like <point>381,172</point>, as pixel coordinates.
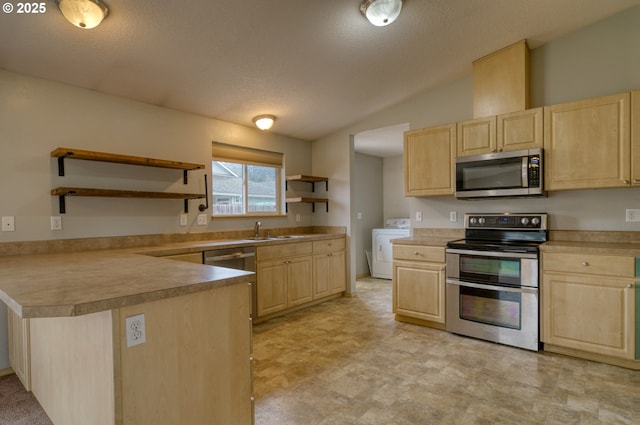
<point>317,65</point>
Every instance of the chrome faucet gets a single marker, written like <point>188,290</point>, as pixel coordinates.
<point>256,229</point>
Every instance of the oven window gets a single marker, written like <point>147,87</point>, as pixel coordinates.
<point>490,269</point>
<point>497,308</point>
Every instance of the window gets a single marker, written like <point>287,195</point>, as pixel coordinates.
<point>245,181</point>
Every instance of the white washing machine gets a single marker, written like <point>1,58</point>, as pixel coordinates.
<point>382,255</point>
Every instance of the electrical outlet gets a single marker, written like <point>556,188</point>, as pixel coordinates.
<point>183,219</point>
<point>136,332</point>
<point>8,224</point>
<point>453,215</point>
<point>418,215</point>
<point>56,222</point>
<point>202,219</point>
<point>632,215</point>
<point>297,218</point>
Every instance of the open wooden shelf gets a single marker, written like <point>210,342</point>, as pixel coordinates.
<point>67,153</point>
<point>63,192</point>
<point>309,179</point>
<point>311,201</point>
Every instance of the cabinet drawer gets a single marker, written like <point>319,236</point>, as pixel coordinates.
<point>603,265</point>
<point>331,245</point>
<point>282,251</point>
<point>433,254</point>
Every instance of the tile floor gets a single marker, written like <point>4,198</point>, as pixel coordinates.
<point>349,362</point>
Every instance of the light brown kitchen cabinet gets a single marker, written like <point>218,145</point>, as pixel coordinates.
<point>19,347</point>
<point>587,143</point>
<point>506,132</point>
<point>635,138</point>
<point>477,136</point>
<point>588,305</point>
<point>194,366</point>
<point>284,276</point>
<point>429,161</point>
<point>329,267</point>
<point>419,284</point>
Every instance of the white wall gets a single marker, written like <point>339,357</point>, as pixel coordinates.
<point>599,59</point>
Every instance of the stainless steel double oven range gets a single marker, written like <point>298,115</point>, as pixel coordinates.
<point>492,286</point>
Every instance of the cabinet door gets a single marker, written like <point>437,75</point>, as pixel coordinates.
<point>329,274</point>
<point>419,290</point>
<point>429,161</point>
<point>588,313</point>
<point>476,137</point>
<point>520,130</point>
<point>299,280</point>
<point>587,143</point>
<point>635,138</point>
<point>338,272</point>
<point>272,286</point>
<point>321,275</point>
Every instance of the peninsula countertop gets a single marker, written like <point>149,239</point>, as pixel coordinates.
<point>73,284</point>
<point>78,283</point>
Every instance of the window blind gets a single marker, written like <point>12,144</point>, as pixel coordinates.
<point>240,154</point>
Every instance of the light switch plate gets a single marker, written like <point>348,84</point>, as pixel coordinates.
<point>183,219</point>
<point>418,215</point>
<point>8,224</point>
<point>202,219</point>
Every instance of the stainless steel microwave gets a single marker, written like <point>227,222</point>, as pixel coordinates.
<point>515,173</point>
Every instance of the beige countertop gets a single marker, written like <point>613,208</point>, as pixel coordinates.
<point>606,248</point>
<point>77,283</point>
<point>423,240</point>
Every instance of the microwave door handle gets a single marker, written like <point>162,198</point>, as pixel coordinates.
<point>525,171</point>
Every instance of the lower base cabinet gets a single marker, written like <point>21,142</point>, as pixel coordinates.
<point>419,283</point>
<point>294,275</point>
<point>194,367</point>
<point>588,306</point>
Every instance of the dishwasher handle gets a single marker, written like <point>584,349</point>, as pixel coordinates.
<point>233,256</point>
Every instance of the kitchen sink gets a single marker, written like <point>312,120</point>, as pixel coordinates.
<point>271,238</point>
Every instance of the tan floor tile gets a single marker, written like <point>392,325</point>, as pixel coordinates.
<point>347,361</point>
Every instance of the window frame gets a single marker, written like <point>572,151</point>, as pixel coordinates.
<point>244,156</point>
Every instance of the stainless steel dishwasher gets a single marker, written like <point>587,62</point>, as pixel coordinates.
<point>240,258</point>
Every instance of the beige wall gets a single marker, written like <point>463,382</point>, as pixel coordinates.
<point>37,116</point>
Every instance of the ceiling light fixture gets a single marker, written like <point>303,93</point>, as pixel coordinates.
<point>264,122</point>
<point>381,12</point>
<point>84,14</point>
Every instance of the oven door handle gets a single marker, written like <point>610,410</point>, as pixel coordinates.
<point>492,253</point>
<point>522,289</point>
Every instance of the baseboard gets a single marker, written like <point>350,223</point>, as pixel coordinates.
<point>7,371</point>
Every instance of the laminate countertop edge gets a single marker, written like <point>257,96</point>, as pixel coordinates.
<point>79,283</point>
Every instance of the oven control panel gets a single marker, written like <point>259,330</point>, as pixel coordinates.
<point>505,221</point>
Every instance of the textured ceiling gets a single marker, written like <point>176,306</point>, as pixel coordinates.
<point>317,65</point>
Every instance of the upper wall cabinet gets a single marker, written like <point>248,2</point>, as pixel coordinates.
<point>506,132</point>
<point>429,161</point>
<point>587,143</point>
<point>635,138</point>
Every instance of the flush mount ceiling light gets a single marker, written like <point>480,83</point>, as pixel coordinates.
<point>84,14</point>
<point>264,122</point>
<point>381,12</point>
